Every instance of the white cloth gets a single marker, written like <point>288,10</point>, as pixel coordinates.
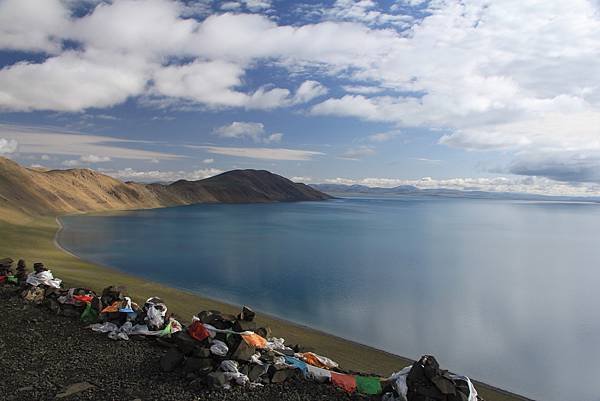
<point>219,348</point>
<point>317,374</point>
<point>398,380</point>
<point>472,390</point>
<point>229,366</point>
<point>43,277</point>
<point>156,312</point>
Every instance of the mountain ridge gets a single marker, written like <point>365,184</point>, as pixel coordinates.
<point>28,192</point>
<point>410,190</point>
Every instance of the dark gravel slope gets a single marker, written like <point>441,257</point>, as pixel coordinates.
<point>42,355</point>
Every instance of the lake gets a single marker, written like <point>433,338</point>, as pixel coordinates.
<point>503,291</point>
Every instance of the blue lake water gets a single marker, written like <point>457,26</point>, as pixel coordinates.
<point>506,292</point>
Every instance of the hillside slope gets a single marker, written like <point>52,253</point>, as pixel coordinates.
<point>29,192</point>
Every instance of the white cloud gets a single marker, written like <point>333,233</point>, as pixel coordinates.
<point>427,160</point>
<point>32,25</point>
<point>361,89</point>
<point>86,159</point>
<point>534,185</point>
<point>71,163</point>
<point>8,146</point>
<point>130,174</point>
<point>94,159</point>
<point>365,11</point>
<point>275,138</point>
<point>208,161</point>
<point>358,152</point>
<point>261,153</point>
<point>254,131</point>
<point>46,142</point>
<point>496,75</point>
<point>257,5</point>
<point>383,136</point>
<point>71,81</point>
<point>230,5</point>
<point>308,91</point>
<point>301,179</point>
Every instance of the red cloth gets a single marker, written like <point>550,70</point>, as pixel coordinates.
<point>2,279</point>
<point>343,381</point>
<point>198,331</point>
<point>83,298</point>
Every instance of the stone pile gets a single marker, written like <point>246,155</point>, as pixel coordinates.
<point>219,350</point>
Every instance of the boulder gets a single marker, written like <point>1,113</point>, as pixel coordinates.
<point>171,360</point>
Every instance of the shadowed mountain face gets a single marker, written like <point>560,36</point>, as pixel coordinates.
<point>26,192</point>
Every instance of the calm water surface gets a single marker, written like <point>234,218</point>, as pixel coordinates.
<point>506,292</point>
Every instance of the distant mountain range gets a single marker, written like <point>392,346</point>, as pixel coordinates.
<point>29,192</point>
<point>409,190</point>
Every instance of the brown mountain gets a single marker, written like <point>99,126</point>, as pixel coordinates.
<point>30,192</point>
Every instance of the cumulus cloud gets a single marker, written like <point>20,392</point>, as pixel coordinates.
<point>31,25</point>
<point>254,131</point>
<point>261,153</point>
<point>507,75</point>
<point>8,146</point>
<point>71,81</point>
<point>308,91</point>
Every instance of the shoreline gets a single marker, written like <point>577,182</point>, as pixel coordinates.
<point>79,272</point>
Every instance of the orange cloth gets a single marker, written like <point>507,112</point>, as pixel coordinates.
<point>255,340</point>
<point>112,308</point>
<point>343,381</point>
<point>317,360</point>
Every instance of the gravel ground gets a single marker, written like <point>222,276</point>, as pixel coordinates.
<point>45,357</point>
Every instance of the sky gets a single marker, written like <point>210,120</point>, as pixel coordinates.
<point>489,95</point>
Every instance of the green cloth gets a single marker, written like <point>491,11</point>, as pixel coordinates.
<point>12,279</point>
<point>167,330</point>
<point>89,314</point>
<point>368,385</point>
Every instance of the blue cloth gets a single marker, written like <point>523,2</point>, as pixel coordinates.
<point>296,363</point>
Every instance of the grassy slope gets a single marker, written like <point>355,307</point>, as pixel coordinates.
<point>34,241</point>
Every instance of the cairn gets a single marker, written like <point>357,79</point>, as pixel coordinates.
<point>6,266</point>
<point>21,272</point>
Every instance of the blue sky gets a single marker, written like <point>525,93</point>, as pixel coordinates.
<point>465,94</point>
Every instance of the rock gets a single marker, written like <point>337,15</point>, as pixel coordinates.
<point>201,353</point>
<point>256,372</point>
<point>27,388</point>
<point>75,388</point>
<point>263,332</point>
<point>171,360</point>
<point>185,342</point>
<point>280,375</point>
<point>247,314</point>
<point>243,352</point>
<point>216,379</point>
<point>242,325</point>
<point>198,365</point>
